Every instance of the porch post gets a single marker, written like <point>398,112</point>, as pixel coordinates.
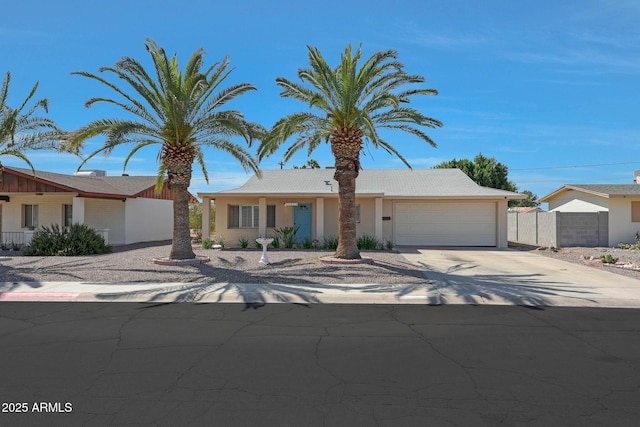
<point>502,223</point>
<point>262,217</point>
<point>206,218</point>
<point>378,219</point>
<point>320,219</point>
<point>77,210</point>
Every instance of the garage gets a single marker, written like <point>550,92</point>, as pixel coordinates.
<point>445,223</point>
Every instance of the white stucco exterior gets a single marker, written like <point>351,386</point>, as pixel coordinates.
<point>617,200</point>
<point>621,228</point>
<point>148,220</point>
<point>577,201</point>
<point>130,221</point>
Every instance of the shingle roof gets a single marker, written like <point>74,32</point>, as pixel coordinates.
<point>108,185</point>
<point>426,183</point>
<point>603,190</point>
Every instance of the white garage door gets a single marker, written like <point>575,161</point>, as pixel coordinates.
<point>446,224</point>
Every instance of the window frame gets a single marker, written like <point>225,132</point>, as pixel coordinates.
<point>635,211</point>
<point>66,206</point>
<point>238,214</point>
<point>32,222</point>
<point>271,216</point>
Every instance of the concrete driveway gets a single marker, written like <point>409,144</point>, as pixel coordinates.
<point>506,276</point>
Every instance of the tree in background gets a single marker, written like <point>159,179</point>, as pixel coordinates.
<point>195,217</point>
<point>21,130</point>
<point>346,106</point>
<point>530,202</point>
<point>180,112</point>
<point>488,172</point>
<point>311,164</point>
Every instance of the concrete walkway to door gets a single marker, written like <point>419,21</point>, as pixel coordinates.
<point>506,276</point>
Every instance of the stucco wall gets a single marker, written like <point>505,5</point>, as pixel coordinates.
<point>148,220</point>
<point>577,201</point>
<point>284,217</point>
<point>49,210</point>
<point>102,213</point>
<point>559,229</point>
<point>621,229</point>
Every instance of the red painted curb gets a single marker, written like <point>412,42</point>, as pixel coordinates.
<point>38,296</point>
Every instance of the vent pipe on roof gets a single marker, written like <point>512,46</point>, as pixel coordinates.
<point>636,177</point>
<point>94,172</point>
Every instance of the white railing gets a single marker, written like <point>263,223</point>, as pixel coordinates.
<point>12,237</point>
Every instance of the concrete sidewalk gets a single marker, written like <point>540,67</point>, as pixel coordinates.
<point>457,276</point>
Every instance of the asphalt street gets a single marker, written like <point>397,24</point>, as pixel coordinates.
<point>109,364</point>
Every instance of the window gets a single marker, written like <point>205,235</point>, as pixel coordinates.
<point>271,216</point>
<point>242,216</point>
<point>247,216</point>
<point>635,211</point>
<point>67,215</point>
<point>357,214</point>
<point>29,216</point>
<point>233,216</point>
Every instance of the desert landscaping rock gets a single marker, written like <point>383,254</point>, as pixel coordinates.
<point>135,263</point>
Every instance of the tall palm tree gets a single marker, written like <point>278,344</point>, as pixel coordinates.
<point>178,110</point>
<point>21,131</point>
<point>352,104</point>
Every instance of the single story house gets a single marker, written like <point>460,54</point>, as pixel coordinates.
<point>436,207</point>
<point>124,208</point>
<point>621,201</point>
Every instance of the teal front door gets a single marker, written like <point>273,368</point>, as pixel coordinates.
<point>302,220</point>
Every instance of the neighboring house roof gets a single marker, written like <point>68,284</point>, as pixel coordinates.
<point>404,183</point>
<point>525,209</point>
<point>602,190</point>
<point>88,186</point>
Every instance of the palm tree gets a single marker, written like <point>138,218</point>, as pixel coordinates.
<point>352,103</point>
<point>179,110</point>
<point>21,131</point>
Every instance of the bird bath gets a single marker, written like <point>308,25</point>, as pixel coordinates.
<point>264,242</point>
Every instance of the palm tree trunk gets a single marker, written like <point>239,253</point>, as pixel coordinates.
<point>181,244</point>
<point>346,145</point>
<point>347,238</point>
<point>179,161</point>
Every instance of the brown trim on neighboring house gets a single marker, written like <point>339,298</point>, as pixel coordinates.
<point>16,182</point>
<point>150,193</point>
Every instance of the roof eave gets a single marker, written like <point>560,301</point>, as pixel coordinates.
<point>572,187</point>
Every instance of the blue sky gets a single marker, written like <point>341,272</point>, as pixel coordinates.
<point>551,89</point>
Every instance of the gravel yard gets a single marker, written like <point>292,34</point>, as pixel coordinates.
<point>133,263</point>
<point>628,259</point>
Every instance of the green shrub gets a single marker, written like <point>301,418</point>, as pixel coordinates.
<point>244,242</point>
<point>608,259</point>
<point>78,239</point>
<point>635,245</point>
<point>307,243</point>
<point>367,242</point>
<point>389,245</point>
<point>330,242</point>
<point>276,241</point>
<point>287,236</point>
<point>207,244</point>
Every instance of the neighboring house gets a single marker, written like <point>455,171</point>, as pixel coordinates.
<point>435,207</point>
<point>621,201</point>
<point>125,206</point>
<point>527,209</point>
